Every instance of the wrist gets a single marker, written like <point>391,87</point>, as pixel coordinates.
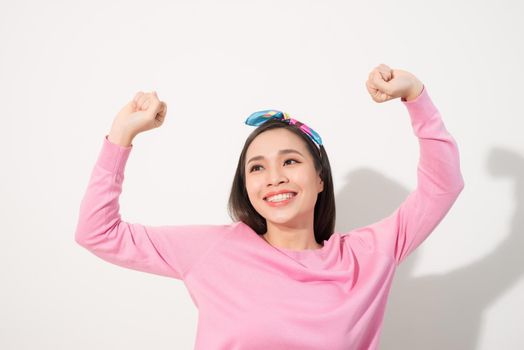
<point>120,138</point>
<point>414,92</point>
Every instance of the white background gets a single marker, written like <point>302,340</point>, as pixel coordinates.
<point>67,68</point>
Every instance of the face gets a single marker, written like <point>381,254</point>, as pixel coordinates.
<point>278,160</point>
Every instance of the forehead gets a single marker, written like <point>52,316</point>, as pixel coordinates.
<point>269,142</point>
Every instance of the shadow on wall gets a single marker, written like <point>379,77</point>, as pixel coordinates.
<point>439,311</point>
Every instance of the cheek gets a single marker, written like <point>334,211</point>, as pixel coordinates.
<point>252,188</point>
<point>307,183</point>
<point>302,179</point>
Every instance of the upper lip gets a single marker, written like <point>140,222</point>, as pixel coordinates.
<point>278,192</point>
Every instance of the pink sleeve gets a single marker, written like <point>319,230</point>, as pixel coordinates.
<point>163,250</point>
<point>439,183</point>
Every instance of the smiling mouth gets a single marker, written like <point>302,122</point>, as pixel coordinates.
<point>281,197</point>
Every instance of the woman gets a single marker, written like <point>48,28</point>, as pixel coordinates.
<point>278,277</point>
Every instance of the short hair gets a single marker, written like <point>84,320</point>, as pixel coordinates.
<point>240,208</point>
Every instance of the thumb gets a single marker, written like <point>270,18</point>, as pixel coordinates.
<point>153,107</point>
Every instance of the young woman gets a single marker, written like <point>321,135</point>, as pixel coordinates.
<point>278,277</point>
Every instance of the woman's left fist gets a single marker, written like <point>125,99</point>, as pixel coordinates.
<point>385,84</point>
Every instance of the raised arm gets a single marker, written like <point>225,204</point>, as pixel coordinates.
<point>163,250</point>
<point>439,179</point>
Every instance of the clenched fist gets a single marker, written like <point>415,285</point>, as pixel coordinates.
<point>143,113</point>
<point>385,84</point>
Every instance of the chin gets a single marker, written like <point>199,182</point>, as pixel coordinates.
<point>282,219</point>
<point>279,221</point>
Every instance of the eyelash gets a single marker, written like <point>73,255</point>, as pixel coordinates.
<point>256,165</point>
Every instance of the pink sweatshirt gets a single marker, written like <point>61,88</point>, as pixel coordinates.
<point>251,295</point>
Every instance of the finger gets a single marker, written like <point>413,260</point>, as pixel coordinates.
<point>370,81</point>
<point>161,113</point>
<point>163,109</point>
<point>370,88</point>
<point>385,71</point>
<point>384,67</point>
<point>161,106</point>
<point>153,105</point>
<point>382,85</point>
<point>152,101</point>
<point>161,116</point>
<point>142,99</point>
<point>154,96</point>
<point>370,76</point>
<point>385,76</point>
<point>137,95</point>
<point>373,76</point>
<point>374,93</point>
<point>380,97</point>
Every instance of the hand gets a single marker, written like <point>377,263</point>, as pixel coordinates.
<point>143,113</point>
<point>385,84</point>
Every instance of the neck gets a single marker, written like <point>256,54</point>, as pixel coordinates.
<point>293,237</point>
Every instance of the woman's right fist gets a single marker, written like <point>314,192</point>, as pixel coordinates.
<point>143,113</point>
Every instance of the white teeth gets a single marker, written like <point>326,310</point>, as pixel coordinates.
<point>280,197</point>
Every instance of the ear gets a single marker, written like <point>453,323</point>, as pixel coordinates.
<point>321,184</point>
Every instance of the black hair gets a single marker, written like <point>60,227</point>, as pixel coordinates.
<point>239,205</point>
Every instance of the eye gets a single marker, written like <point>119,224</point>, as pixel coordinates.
<point>257,165</point>
<point>253,167</point>
<point>292,160</point>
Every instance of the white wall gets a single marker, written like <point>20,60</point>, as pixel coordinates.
<point>67,68</point>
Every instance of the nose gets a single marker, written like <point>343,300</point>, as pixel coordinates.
<point>276,176</point>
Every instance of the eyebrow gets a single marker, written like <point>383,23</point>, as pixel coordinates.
<point>282,151</point>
